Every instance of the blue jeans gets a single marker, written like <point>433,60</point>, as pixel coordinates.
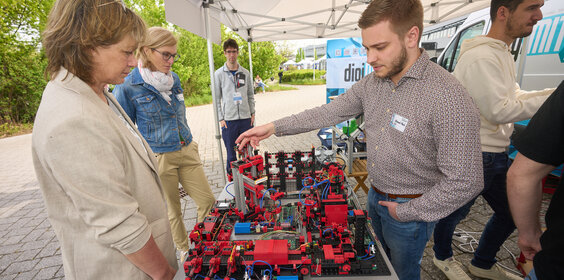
<point>230,134</point>
<point>403,242</point>
<point>261,85</point>
<point>532,275</point>
<point>498,228</point>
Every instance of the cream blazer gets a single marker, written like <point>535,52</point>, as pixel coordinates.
<point>102,192</point>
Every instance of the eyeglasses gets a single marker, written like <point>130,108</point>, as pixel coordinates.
<point>167,56</point>
<point>231,52</point>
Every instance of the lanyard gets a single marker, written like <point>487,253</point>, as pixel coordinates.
<point>235,80</point>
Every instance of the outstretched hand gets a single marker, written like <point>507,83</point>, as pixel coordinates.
<point>254,135</point>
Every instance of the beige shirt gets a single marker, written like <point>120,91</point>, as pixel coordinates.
<point>101,189</point>
<point>487,70</point>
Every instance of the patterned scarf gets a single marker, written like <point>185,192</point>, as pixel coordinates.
<point>159,80</point>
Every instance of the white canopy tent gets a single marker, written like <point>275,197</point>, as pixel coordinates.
<point>272,20</point>
<point>289,62</point>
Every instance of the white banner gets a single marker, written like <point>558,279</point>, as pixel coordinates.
<point>344,72</point>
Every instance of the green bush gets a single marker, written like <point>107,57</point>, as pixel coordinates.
<point>303,74</point>
<point>195,100</point>
<point>307,82</point>
<point>277,87</point>
<point>8,129</point>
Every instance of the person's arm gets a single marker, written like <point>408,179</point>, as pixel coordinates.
<point>151,261</point>
<point>254,135</point>
<point>344,107</point>
<point>524,193</point>
<point>498,101</point>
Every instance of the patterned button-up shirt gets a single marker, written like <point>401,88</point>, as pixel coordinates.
<point>422,137</point>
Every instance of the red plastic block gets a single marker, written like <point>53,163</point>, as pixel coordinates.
<point>271,251</point>
<point>328,251</point>
<point>336,214</point>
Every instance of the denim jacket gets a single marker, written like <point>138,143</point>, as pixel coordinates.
<point>158,121</point>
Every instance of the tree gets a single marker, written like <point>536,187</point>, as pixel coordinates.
<point>284,50</point>
<point>299,55</point>
<point>22,64</point>
<point>266,59</point>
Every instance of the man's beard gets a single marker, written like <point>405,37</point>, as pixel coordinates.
<point>397,65</point>
<point>513,31</point>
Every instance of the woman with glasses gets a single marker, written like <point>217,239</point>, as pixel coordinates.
<point>97,175</point>
<point>152,97</point>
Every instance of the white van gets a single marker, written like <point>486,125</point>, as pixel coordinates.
<point>542,67</point>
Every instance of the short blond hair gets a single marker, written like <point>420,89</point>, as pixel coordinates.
<point>156,37</point>
<point>76,27</point>
<point>402,14</point>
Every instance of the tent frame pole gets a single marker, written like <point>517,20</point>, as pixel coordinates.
<point>212,81</point>
<point>250,61</point>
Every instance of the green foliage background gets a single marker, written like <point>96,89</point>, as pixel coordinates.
<point>294,76</point>
<point>22,61</point>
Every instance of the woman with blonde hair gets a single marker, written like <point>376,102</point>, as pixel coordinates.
<point>97,175</point>
<point>153,98</point>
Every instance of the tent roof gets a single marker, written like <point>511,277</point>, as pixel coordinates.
<point>272,20</point>
<point>289,62</point>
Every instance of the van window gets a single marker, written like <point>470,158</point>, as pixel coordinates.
<point>453,51</point>
<point>516,48</point>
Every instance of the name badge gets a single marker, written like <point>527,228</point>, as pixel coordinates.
<point>237,98</point>
<point>398,122</point>
<point>180,97</point>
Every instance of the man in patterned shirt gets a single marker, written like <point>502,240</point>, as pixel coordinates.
<point>422,131</point>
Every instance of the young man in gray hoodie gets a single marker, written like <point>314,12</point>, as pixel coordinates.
<point>487,70</point>
<point>235,99</point>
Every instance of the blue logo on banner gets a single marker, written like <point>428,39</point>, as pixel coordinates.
<point>548,37</point>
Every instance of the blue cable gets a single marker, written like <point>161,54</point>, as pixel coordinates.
<point>368,251</point>
<point>300,196</point>
<point>325,230</point>
<point>291,268</point>
<point>228,190</point>
<point>304,183</point>
<point>251,268</point>
<point>262,197</point>
<point>325,191</point>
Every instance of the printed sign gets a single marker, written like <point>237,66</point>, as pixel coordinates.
<point>346,65</point>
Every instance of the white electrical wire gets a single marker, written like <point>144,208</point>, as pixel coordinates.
<point>473,241</point>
